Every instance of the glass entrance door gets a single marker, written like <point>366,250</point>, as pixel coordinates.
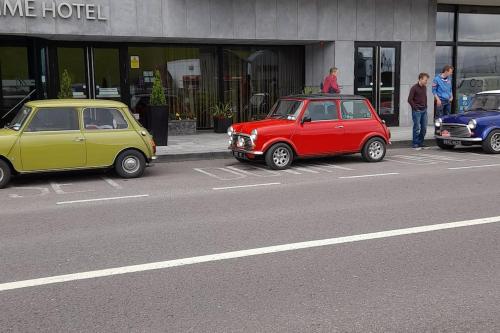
<point>377,78</point>
<point>106,73</point>
<point>72,61</point>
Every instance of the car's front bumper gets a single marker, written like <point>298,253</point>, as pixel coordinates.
<point>242,153</point>
<point>453,138</point>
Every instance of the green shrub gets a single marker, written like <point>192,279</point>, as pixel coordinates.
<point>158,93</point>
<point>222,111</point>
<point>65,87</point>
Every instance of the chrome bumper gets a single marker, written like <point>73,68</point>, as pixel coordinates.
<point>458,139</point>
<point>251,152</point>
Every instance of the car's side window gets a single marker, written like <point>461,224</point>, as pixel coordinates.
<point>54,119</point>
<point>103,119</point>
<point>321,110</point>
<point>355,109</point>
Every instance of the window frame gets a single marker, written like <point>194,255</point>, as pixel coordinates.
<point>356,119</point>
<point>333,101</point>
<point>36,111</point>
<point>84,128</point>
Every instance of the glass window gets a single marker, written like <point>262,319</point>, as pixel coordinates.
<point>321,110</point>
<point>20,118</point>
<point>478,69</point>
<point>479,27</point>
<point>355,109</point>
<point>107,73</point>
<point>15,80</point>
<point>72,60</point>
<point>255,77</point>
<point>54,119</point>
<point>103,119</point>
<point>285,108</point>
<point>486,102</point>
<point>189,76</point>
<point>444,56</point>
<point>444,26</point>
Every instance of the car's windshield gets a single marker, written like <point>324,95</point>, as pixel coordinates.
<point>19,119</point>
<point>485,102</point>
<point>286,109</point>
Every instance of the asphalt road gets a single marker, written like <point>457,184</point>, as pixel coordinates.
<point>443,278</point>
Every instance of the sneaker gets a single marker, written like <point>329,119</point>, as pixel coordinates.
<point>424,147</point>
<point>417,148</point>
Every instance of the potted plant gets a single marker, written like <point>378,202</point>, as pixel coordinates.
<point>223,117</point>
<point>158,112</point>
<point>65,91</point>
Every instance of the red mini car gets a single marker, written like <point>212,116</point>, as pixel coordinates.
<point>309,126</point>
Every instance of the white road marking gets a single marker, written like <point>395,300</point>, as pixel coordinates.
<point>404,162</point>
<point>102,199</point>
<point>242,254</point>
<point>332,166</point>
<point>112,183</point>
<point>373,175</point>
<point>291,171</point>
<point>243,186</point>
<point>250,173</point>
<point>305,169</point>
<point>42,192</point>
<point>475,167</point>
<point>203,171</point>
<point>58,188</point>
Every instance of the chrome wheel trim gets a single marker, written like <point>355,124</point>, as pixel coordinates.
<point>281,157</point>
<point>1,174</point>
<point>495,142</point>
<point>376,150</point>
<point>131,164</point>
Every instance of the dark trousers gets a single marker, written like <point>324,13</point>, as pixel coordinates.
<point>419,127</point>
<point>444,109</point>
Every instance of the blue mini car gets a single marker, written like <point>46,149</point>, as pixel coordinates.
<point>479,125</point>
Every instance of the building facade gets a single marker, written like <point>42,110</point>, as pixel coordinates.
<point>243,52</point>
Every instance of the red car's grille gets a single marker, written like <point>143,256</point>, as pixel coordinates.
<point>241,141</point>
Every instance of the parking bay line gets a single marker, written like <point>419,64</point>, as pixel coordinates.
<point>242,254</point>
<point>102,199</point>
<point>475,167</point>
<point>372,175</point>
<point>243,186</point>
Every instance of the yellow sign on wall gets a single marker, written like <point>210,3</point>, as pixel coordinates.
<point>135,62</point>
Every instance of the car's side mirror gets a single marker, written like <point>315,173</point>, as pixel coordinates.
<point>306,119</point>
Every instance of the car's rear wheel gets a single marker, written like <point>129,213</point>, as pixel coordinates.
<point>492,143</point>
<point>5,174</point>
<point>279,156</point>
<point>374,150</point>
<point>440,143</point>
<point>130,164</point>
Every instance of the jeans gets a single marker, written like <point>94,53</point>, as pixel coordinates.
<point>419,127</point>
<point>444,109</point>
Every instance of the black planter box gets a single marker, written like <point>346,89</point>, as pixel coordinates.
<point>158,123</point>
<point>222,124</point>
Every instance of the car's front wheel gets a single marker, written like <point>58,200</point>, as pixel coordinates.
<point>279,156</point>
<point>374,150</point>
<point>440,143</point>
<point>5,174</point>
<point>492,143</point>
<point>130,164</point>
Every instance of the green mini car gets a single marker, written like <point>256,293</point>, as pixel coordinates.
<point>58,135</point>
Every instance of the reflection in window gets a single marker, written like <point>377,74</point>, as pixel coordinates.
<point>355,109</point>
<point>479,27</point>
<point>103,119</point>
<point>444,26</point>
<point>319,111</point>
<point>478,70</point>
<point>189,77</point>
<point>73,60</point>
<point>54,119</point>
<point>107,73</point>
<point>444,56</point>
<point>15,80</point>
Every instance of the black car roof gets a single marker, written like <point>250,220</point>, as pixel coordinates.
<point>326,96</point>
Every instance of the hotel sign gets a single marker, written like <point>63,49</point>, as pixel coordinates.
<point>44,9</point>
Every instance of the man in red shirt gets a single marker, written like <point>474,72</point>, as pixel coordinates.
<point>330,85</point>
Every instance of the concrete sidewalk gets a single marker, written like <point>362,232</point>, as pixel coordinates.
<point>209,145</point>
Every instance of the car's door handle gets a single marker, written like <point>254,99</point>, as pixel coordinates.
<point>79,139</point>
<point>339,126</point>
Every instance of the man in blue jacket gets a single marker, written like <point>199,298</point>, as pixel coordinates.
<point>442,91</point>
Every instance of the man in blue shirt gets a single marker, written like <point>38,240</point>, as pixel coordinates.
<point>442,91</point>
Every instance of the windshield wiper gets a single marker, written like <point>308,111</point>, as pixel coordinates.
<point>278,116</point>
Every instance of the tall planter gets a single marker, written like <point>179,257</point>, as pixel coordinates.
<point>221,125</point>
<point>158,123</point>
